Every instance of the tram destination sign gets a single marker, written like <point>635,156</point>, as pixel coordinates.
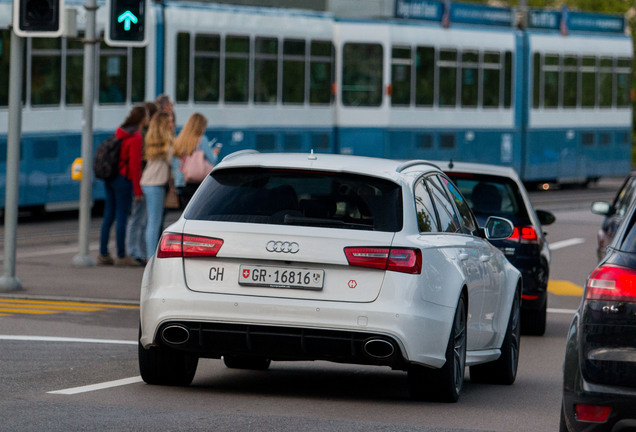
<point>457,13</point>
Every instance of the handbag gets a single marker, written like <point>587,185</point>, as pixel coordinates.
<point>172,197</point>
<point>195,167</point>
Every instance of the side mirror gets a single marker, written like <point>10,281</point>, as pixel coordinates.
<point>498,228</point>
<point>545,217</point>
<point>601,208</point>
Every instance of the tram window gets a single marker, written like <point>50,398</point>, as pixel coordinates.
<point>587,139</point>
<point>5,46</point>
<point>401,76</point>
<point>623,82</point>
<point>265,142</point>
<point>112,75</point>
<point>293,71</point>
<point>138,86</point>
<point>507,79</point>
<point>46,71</point>
<point>182,67</point>
<point>266,70</point>
<point>536,80</point>
<point>74,70</point>
<point>237,53</point>
<point>292,142</point>
<point>588,82</point>
<point>424,76</point>
<point>470,79</point>
<point>491,83</point>
<point>320,142</point>
<point>605,139</point>
<point>605,83</point>
<point>551,79</point>
<point>447,78</point>
<point>570,81</point>
<point>320,72</point>
<point>362,74</point>
<point>447,141</point>
<point>207,68</point>
<point>424,141</point>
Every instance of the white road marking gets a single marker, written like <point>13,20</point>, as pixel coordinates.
<point>66,339</point>
<point>101,386</point>
<point>562,311</point>
<point>566,243</point>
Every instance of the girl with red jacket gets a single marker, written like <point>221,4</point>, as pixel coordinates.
<point>119,191</point>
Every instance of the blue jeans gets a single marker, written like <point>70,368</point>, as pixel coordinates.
<point>119,196</point>
<point>155,196</point>
<point>136,232</point>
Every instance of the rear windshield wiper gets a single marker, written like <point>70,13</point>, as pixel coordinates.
<point>301,220</point>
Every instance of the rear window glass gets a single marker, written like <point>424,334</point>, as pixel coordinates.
<point>491,196</point>
<point>309,198</point>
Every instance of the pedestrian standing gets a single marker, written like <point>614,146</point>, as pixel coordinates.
<point>121,189</point>
<point>165,105</point>
<point>156,174</point>
<point>192,137</point>
<point>136,230</point>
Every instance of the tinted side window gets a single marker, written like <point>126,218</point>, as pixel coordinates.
<point>464,210</point>
<point>426,218</point>
<point>447,218</point>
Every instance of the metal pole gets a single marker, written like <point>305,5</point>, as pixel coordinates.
<point>9,282</point>
<point>83,258</point>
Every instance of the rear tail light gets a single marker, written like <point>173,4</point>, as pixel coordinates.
<point>592,413</point>
<point>525,234</point>
<point>403,260</point>
<point>174,245</point>
<point>612,283</point>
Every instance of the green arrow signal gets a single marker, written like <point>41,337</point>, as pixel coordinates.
<point>127,18</point>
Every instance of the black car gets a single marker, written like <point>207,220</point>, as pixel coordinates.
<point>614,212</point>
<point>599,372</point>
<point>498,191</point>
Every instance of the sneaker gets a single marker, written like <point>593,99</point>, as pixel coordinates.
<point>105,260</point>
<point>126,261</point>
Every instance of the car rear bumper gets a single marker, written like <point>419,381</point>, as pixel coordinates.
<point>622,401</point>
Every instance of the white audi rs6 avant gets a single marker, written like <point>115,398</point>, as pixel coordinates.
<point>347,259</point>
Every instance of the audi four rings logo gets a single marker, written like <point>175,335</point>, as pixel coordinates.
<point>282,247</point>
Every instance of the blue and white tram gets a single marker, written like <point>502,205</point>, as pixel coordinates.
<point>551,100</point>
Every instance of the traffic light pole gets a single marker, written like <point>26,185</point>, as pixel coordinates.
<point>83,258</point>
<point>9,282</point>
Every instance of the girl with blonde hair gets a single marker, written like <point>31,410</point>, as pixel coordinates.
<point>156,174</point>
<point>191,138</point>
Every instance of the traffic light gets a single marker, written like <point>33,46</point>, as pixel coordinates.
<point>126,24</point>
<point>38,18</point>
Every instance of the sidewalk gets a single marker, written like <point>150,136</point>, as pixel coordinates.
<point>50,274</point>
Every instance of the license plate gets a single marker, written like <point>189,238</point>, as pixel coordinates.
<point>281,277</point>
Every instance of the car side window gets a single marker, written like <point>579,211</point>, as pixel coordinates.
<point>449,222</point>
<point>426,217</point>
<point>624,198</point>
<point>466,214</point>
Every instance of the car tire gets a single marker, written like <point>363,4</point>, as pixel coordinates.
<point>533,322</point>
<point>443,384</point>
<point>165,366</point>
<point>253,363</point>
<point>504,369</point>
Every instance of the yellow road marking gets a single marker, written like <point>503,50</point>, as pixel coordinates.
<point>25,311</point>
<point>42,307</point>
<point>564,288</point>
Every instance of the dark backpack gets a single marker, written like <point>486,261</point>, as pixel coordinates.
<point>106,162</point>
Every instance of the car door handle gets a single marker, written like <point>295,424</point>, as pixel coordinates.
<point>463,256</point>
<point>484,258</point>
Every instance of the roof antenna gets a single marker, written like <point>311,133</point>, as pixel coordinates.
<point>450,164</point>
<point>312,156</point>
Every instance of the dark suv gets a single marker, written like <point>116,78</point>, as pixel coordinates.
<point>599,371</point>
<point>493,190</point>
